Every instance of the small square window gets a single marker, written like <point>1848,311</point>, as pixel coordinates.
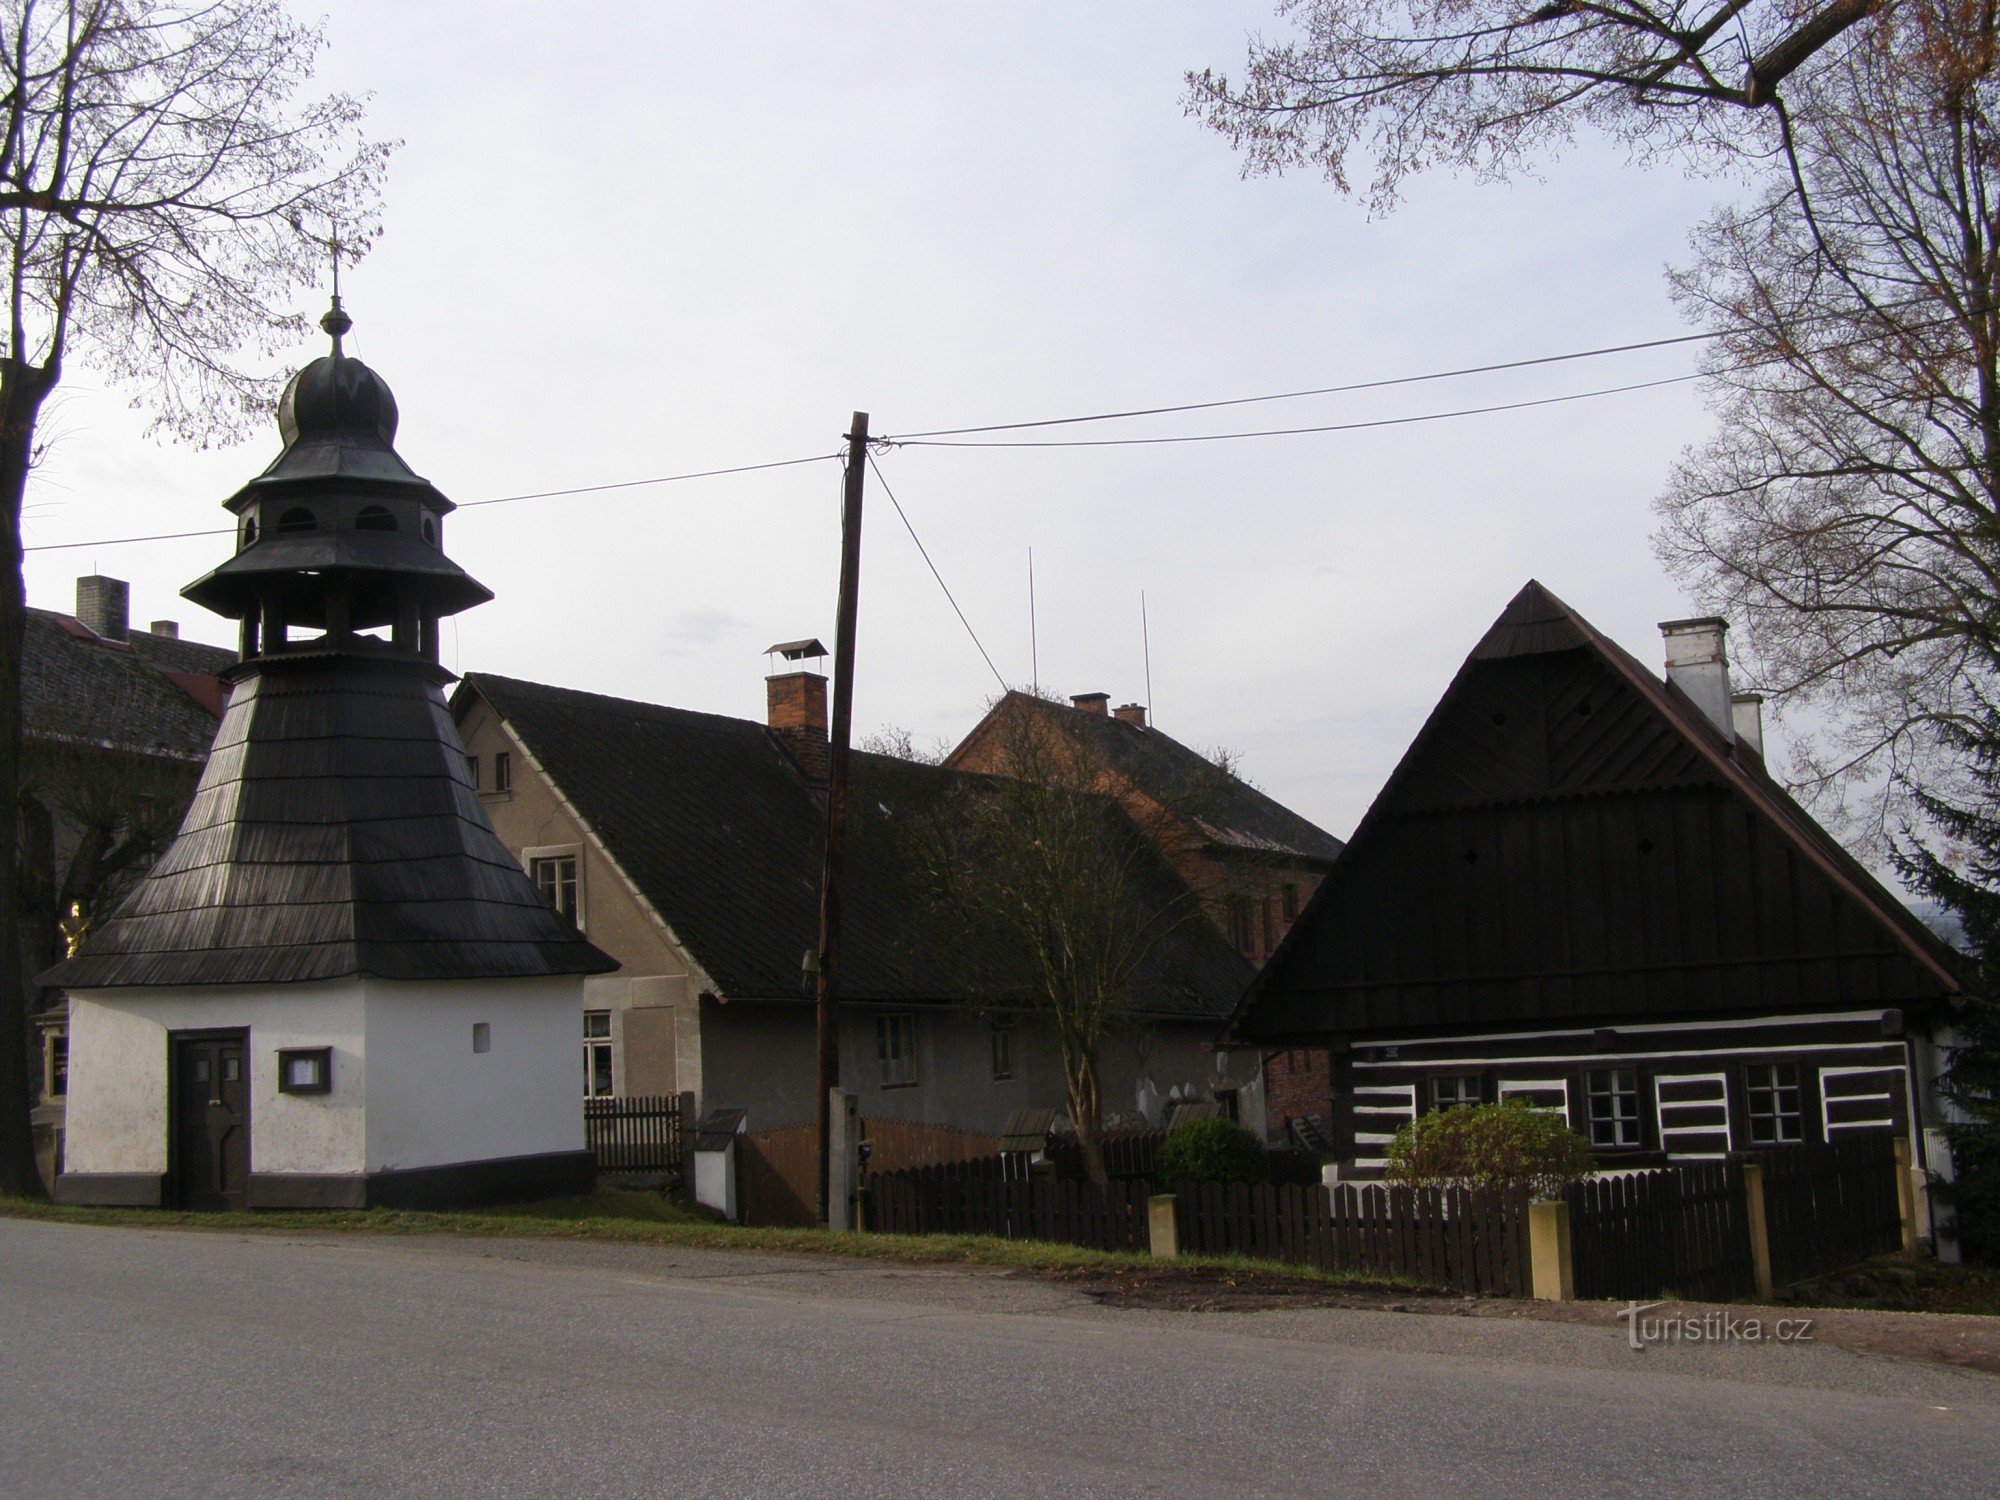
<point>555,877</point>
<point>1614,1107</point>
<point>503,771</point>
<point>1772,1095</point>
<point>482,1036</point>
<point>305,1070</point>
<point>1455,1091</point>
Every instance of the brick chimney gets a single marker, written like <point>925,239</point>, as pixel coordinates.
<point>169,628</point>
<point>797,715</point>
<point>1093,703</point>
<point>105,605</point>
<point>1698,665</point>
<point>1131,713</point>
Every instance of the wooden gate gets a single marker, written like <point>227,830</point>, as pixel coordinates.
<point>775,1170</point>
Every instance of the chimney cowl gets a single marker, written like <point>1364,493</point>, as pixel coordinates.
<point>171,629</point>
<point>1746,712</point>
<point>1092,703</point>
<point>1131,713</point>
<point>105,605</point>
<point>1698,664</point>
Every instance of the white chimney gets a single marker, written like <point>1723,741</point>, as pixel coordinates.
<point>1699,667</point>
<point>1746,711</point>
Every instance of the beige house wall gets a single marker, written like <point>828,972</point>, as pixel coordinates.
<point>652,995</point>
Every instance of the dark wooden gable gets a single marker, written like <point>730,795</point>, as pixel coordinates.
<point>1568,840</point>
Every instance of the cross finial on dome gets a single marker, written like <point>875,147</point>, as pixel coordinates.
<point>336,321</point>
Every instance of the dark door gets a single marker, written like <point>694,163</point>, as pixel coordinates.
<point>211,1118</point>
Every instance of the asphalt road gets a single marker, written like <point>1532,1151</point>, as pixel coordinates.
<point>138,1363</point>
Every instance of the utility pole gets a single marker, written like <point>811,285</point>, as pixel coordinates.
<point>839,732</point>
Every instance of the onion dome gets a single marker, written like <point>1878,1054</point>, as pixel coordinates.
<point>339,535</point>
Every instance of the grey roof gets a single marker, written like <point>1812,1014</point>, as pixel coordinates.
<point>146,695</point>
<point>335,831</point>
<point>1231,812</point>
<point>713,823</point>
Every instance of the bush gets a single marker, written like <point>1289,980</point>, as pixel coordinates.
<point>1211,1150</point>
<point>1509,1144</point>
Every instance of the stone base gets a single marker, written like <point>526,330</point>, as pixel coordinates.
<point>112,1189</point>
<point>464,1184</point>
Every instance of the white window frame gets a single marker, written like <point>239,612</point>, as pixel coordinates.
<point>1775,1089</point>
<point>531,857</point>
<point>599,1046</point>
<point>1436,1090</point>
<point>1621,1124</point>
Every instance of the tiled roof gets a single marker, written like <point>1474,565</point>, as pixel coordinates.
<point>144,694</point>
<point>1230,811</point>
<point>713,823</point>
<point>335,831</point>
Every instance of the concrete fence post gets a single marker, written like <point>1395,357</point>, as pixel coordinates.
<point>1162,1231</point>
<point>843,1159</point>
<point>1906,1194</point>
<point>1760,1228</point>
<point>687,1130</point>
<point>1552,1273</point>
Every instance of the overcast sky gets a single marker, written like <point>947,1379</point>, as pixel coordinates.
<point>625,241</point>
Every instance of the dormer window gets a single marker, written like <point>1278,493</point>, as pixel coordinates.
<point>430,531</point>
<point>374,518</point>
<point>298,518</point>
<point>249,531</point>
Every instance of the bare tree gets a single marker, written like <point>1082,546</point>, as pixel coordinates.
<point>1844,511</point>
<point>1493,86</point>
<point>1072,892</point>
<point>1847,508</point>
<point>164,194</point>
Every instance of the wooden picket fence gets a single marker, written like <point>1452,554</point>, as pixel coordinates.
<point>973,1198</point>
<point>1831,1206</point>
<point>641,1133</point>
<point>776,1169</point>
<point>1127,1153</point>
<point>1472,1240</point>
<point>896,1145</point>
<point>1675,1231</point>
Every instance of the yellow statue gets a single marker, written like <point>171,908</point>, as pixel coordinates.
<point>75,929</point>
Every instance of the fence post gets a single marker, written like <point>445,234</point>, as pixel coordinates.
<point>1554,1275</point>
<point>1906,1194</point>
<point>685,1124</point>
<point>1760,1228</point>
<point>1162,1233</point>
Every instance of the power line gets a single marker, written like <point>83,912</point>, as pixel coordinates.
<point>582,489</point>
<point>934,571</point>
<point>1223,437</point>
<point>1324,390</point>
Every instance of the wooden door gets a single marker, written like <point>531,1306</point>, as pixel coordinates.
<point>210,1107</point>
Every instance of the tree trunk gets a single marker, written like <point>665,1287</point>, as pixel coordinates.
<point>1086,1111</point>
<point>23,387</point>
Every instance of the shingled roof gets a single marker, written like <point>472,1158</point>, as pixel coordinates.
<point>147,694</point>
<point>1569,837</point>
<point>711,820</point>
<point>1229,811</point>
<point>335,831</point>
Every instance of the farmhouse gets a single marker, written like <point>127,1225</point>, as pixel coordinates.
<point>336,987</point>
<point>688,846</point>
<point>1582,888</point>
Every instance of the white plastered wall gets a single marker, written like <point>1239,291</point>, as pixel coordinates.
<point>117,1112</point>
<point>433,1100</point>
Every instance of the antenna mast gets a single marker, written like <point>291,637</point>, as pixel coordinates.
<point>1034,647</point>
<point>1146,641</point>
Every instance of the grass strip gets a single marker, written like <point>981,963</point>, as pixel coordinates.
<point>620,1217</point>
